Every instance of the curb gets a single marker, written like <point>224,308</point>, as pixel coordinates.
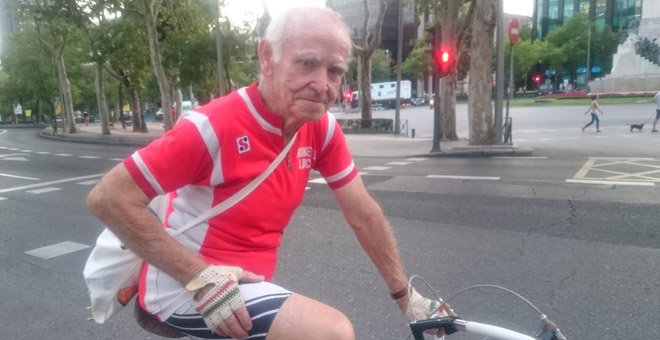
<point>84,137</point>
<point>484,151</point>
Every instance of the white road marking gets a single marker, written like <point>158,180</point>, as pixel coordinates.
<point>588,181</point>
<point>416,159</point>
<point>43,190</point>
<point>19,177</point>
<point>57,249</point>
<point>481,178</point>
<point>520,157</point>
<point>43,153</point>
<point>398,163</point>
<point>3,198</point>
<point>73,179</point>
<point>14,157</point>
<point>92,182</point>
<point>63,154</point>
<point>116,159</point>
<point>89,157</point>
<point>378,168</point>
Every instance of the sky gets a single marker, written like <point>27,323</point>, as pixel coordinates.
<point>253,8</point>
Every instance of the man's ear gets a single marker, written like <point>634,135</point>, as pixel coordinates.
<point>265,53</point>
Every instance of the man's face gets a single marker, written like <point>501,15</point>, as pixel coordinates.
<point>306,78</point>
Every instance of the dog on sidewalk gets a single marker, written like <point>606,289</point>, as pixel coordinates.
<point>636,126</point>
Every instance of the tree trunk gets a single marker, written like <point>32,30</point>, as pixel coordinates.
<point>139,124</point>
<point>480,108</point>
<point>65,89</point>
<point>101,101</point>
<point>159,71</point>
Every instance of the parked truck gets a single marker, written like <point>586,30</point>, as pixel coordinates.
<point>384,94</point>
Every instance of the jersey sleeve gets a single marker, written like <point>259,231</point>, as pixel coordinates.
<point>335,163</point>
<point>176,159</point>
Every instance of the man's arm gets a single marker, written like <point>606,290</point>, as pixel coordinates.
<point>120,204</point>
<point>373,232</point>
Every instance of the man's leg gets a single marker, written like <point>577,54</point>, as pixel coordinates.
<point>303,318</point>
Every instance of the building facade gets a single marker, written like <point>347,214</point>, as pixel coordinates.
<point>353,13</point>
<point>618,14</point>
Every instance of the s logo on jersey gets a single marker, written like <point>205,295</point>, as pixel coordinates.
<point>243,144</point>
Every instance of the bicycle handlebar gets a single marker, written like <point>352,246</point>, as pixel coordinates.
<point>452,324</point>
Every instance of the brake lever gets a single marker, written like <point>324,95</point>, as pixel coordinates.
<point>446,323</point>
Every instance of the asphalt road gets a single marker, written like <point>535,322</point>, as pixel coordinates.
<point>573,228</point>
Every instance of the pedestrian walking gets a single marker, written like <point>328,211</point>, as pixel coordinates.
<point>656,98</point>
<point>594,109</point>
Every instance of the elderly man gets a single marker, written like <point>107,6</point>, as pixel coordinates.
<point>213,280</point>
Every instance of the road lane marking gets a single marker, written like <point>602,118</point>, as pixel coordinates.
<point>3,198</point>
<point>14,157</point>
<point>57,249</point>
<point>43,190</point>
<point>89,157</point>
<point>116,159</point>
<point>398,163</point>
<point>378,168</point>
<point>19,177</point>
<point>591,181</point>
<point>480,178</point>
<point>63,154</point>
<point>92,182</point>
<point>44,184</point>
<point>416,159</point>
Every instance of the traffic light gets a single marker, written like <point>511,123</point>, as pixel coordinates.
<point>537,79</point>
<point>444,57</point>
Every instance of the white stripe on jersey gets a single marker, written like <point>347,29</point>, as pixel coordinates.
<point>207,133</point>
<point>330,132</point>
<point>341,175</point>
<point>267,126</point>
<point>146,173</point>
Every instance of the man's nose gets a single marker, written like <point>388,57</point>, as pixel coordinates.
<point>320,81</point>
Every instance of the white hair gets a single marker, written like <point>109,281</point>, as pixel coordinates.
<point>277,26</point>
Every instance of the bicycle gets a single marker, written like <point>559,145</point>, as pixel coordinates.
<point>451,323</point>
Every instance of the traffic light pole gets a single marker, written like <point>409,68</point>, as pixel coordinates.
<point>437,131</point>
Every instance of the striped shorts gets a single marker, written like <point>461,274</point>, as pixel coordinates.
<point>262,300</point>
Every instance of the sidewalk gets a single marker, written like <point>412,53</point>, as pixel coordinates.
<point>360,145</point>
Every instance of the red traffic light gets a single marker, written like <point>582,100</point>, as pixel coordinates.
<point>444,60</point>
<point>537,79</point>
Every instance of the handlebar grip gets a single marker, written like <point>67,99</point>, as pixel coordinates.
<point>494,331</point>
<point>446,323</point>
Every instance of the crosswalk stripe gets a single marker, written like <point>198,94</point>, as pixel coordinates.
<point>57,249</point>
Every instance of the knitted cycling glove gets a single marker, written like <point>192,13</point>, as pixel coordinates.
<point>224,297</point>
<point>419,307</point>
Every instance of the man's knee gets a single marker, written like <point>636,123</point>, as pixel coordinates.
<point>341,328</point>
<point>304,318</point>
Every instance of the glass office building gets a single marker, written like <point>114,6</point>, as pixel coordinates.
<point>550,14</point>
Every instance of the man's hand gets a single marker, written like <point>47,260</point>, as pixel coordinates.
<point>421,308</point>
<point>219,300</point>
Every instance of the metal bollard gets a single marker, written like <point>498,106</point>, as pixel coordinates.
<point>413,133</point>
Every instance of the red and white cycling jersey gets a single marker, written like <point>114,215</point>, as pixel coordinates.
<point>213,152</point>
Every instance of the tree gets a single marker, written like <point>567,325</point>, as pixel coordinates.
<point>454,17</point>
<point>28,75</point>
<point>147,12</point>
<point>51,22</point>
<point>364,45</point>
<point>480,109</point>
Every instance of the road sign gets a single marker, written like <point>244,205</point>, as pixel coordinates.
<point>514,31</point>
